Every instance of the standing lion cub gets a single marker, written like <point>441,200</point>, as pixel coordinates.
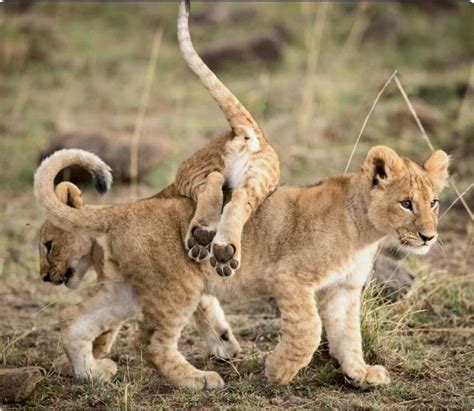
<point>301,242</point>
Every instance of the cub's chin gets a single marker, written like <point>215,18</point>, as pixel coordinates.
<point>418,250</point>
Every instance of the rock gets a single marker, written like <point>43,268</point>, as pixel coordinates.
<point>18,6</point>
<point>17,383</point>
<point>220,14</point>
<point>382,24</point>
<point>265,46</point>
<point>115,151</point>
<point>432,5</point>
<point>429,116</point>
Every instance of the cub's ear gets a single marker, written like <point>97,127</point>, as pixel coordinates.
<point>69,194</point>
<point>437,168</point>
<point>381,165</point>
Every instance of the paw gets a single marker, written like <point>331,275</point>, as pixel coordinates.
<point>62,366</point>
<point>198,243</point>
<point>203,380</point>
<point>366,376</point>
<point>226,347</point>
<point>224,259</point>
<point>105,370</point>
<point>280,372</point>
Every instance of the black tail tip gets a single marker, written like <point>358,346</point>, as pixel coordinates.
<point>188,5</point>
<point>100,183</point>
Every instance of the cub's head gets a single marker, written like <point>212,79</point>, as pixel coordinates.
<point>404,196</point>
<point>64,255</point>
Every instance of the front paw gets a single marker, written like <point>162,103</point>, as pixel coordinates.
<point>202,380</point>
<point>106,369</point>
<point>280,371</point>
<point>225,259</point>
<point>198,242</point>
<point>62,366</point>
<point>366,376</point>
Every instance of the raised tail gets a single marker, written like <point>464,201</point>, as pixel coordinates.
<point>60,214</point>
<point>240,120</point>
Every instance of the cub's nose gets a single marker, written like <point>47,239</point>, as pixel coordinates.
<point>426,238</point>
<point>47,278</point>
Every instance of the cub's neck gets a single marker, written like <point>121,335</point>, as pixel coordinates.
<point>343,202</point>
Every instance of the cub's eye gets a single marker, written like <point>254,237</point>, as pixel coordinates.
<point>434,203</point>
<point>49,246</point>
<point>407,204</point>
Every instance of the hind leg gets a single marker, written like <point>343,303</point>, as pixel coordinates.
<point>202,228</point>
<point>103,343</point>
<point>101,346</point>
<point>214,329</point>
<point>165,315</point>
<point>226,247</point>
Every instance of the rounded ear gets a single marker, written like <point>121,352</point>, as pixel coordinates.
<point>69,194</point>
<point>437,168</point>
<point>381,164</point>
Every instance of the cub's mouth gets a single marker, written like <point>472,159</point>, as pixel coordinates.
<point>66,277</point>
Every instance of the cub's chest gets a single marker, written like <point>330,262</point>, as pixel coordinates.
<point>355,270</point>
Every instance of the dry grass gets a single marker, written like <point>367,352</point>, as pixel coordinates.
<point>150,75</point>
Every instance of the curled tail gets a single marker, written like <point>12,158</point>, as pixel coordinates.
<point>240,120</point>
<point>60,214</point>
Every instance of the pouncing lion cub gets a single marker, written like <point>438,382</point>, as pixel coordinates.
<point>66,256</point>
<point>242,159</point>
<point>300,242</point>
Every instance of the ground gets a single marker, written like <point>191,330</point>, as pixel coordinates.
<point>88,73</point>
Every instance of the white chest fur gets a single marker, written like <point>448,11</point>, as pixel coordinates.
<point>356,270</point>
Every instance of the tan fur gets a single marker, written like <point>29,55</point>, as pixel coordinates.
<point>66,256</point>
<point>242,158</point>
<point>300,241</point>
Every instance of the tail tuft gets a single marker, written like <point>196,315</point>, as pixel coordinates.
<point>102,182</point>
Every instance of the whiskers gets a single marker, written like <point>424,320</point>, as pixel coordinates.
<point>438,248</point>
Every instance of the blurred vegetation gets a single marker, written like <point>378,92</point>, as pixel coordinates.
<point>69,67</point>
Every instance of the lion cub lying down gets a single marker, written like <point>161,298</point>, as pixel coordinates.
<point>66,256</point>
<point>301,242</point>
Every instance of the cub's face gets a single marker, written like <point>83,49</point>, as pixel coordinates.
<point>64,256</point>
<point>404,197</point>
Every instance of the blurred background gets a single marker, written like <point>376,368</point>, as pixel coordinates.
<point>99,75</point>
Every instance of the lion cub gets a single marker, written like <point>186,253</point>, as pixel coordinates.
<point>302,241</point>
<point>241,160</point>
<point>66,256</point>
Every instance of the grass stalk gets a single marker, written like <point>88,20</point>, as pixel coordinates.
<point>150,75</point>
